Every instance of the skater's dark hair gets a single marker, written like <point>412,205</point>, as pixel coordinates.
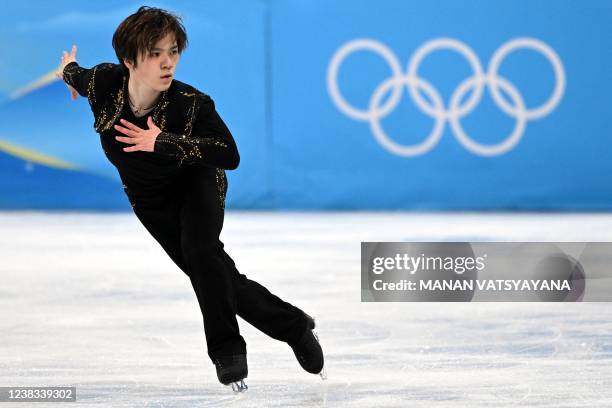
<point>138,33</point>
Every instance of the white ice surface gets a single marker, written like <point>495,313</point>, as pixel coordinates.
<point>92,301</point>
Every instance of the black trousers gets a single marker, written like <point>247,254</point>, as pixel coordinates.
<point>187,222</point>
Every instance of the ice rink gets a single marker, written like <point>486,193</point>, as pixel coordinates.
<point>91,301</point>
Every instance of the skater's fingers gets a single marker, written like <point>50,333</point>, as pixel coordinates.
<point>131,148</point>
<point>151,124</point>
<point>126,131</point>
<point>124,139</point>
<point>73,92</point>
<point>73,52</point>
<point>60,70</point>
<point>130,125</point>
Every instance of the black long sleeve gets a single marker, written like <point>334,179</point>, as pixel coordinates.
<point>90,82</point>
<point>210,142</point>
<point>79,78</point>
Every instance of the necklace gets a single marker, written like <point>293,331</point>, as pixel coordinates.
<point>138,109</point>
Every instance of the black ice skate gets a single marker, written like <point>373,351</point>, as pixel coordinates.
<point>308,351</point>
<point>232,370</point>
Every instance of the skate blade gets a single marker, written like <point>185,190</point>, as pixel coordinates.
<point>323,372</point>
<point>239,386</point>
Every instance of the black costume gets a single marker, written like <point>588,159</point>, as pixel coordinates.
<point>178,193</point>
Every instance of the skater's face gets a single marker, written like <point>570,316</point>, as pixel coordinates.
<point>155,69</point>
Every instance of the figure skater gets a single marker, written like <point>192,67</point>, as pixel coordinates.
<point>171,150</point>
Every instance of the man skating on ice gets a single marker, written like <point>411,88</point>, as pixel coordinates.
<point>171,150</point>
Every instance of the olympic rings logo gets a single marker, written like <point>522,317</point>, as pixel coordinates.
<point>456,110</point>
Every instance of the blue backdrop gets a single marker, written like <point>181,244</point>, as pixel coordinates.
<point>405,105</point>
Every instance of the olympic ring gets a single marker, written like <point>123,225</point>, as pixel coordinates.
<point>435,107</point>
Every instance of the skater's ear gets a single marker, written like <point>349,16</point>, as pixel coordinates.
<point>128,63</point>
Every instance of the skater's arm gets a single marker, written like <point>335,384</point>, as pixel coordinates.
<point>92,83</point>
<point>210,143</point>
<point>77,78</point>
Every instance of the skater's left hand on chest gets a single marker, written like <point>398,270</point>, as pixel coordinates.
<point>140,139</point>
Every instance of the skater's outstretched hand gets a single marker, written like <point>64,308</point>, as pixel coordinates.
<point>65,60</point>
<point>141,139</point>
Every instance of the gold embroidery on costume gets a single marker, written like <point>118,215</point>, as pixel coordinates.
<point>159,116</point>
<point>221,186</point>
<point>104,120</point>
<point>186,148</point>
<point>190,113</point>
<point>159,113</point>
<point>189,147</point>
<point>70,71</point>
<point>165,137</point>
